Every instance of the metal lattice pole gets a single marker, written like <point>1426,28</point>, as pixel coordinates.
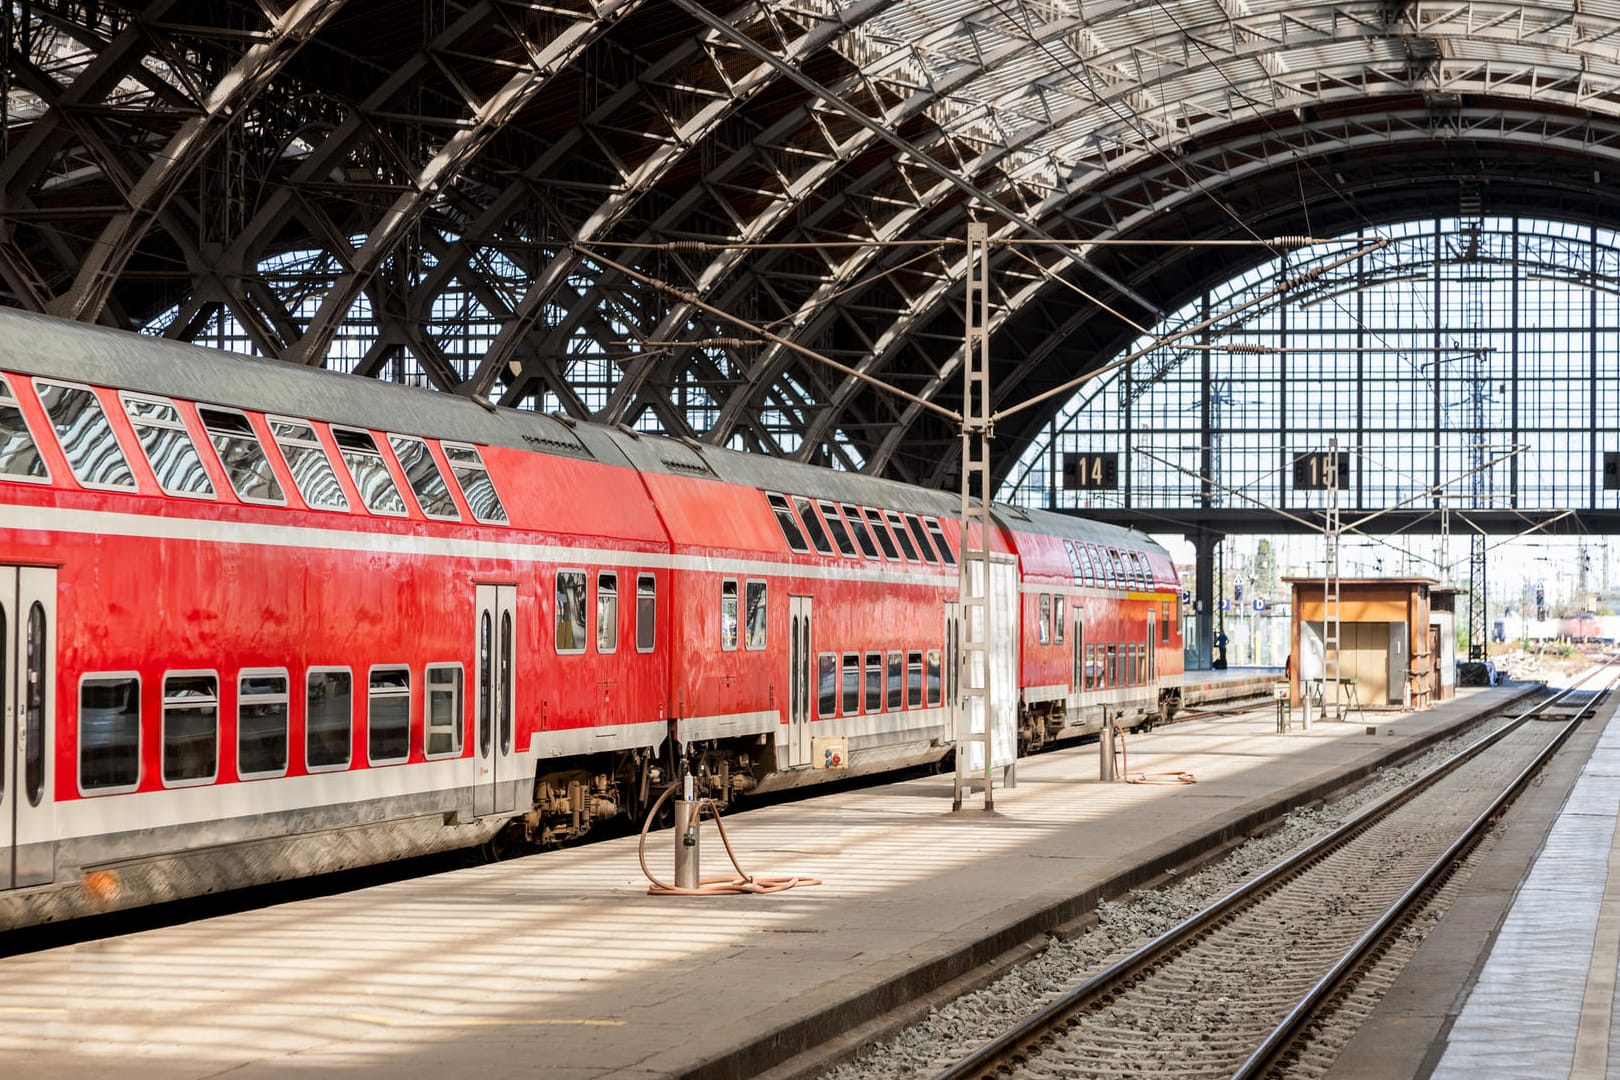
<point>1330,587</point>
<point>973,697</point>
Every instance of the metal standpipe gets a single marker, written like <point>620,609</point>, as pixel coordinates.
<point>686,840</point>
<point>1105,748</point>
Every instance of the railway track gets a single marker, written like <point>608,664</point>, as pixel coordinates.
<point>1231,990</point>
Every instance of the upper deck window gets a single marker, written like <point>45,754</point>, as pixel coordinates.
<point>473,476</point>
<point>86,435</point>
<point>881,531</point>
<point>369,471</point>
<point>246,465</point>
<point>432,493</point>
<point>789,524</point>
<point>19,454</point>
<point>914,523</point>
<point>857,525</point>
<point>310,466</point>
<point>898,524</point>
<point>938,534</point>
<point>1086,574</point>
<point>812,524</point>
<point>835,524</point>
<point>168,446</point>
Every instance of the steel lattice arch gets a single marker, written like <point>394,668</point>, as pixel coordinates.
<point>440,191</point>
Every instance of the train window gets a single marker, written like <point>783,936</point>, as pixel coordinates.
<point>914,679</point>
<point>897,677</point>
<point>508,646</point>
<point>812,525</point>
<point>1043,623</point>
<point>443,715</point>
<point>310,467</point>
<point>570,611</point>
<point>190,728</point>
<point>881,531</point>
<point>852,684</point>
<point>789,524</point>
<point>827,685</point>
<point>607,612</point>
<point>1118,569</point>
<point>1138,572</point>
<point>918,533</point>
<point>476,486</point>
<point>835,524</point>
<point>728,614</point>
<point>1164,622</point>
<point>1074,560</point>
<point>857,525</point>
<point>328,718</point>
<point>86,435</point>
<point>1141,664</point>
<point>1113,665</point>
<point>246,465</point>
<point>646,612</point>
<point>874,682</point>
<point>756,613</point>
<point>935,694</point>
<point>1086,574</point>
<point>1105,572</point>
<point>897,523</point>
<point>388,715</point>
<point>35,680</point>
<point>1079,665</point>
<point>261,724</point>
<point>1057,618</point>
<point>486,683</point>
<point>109,733</point>
<point>1091,667</point>
<point>422,473</point>
<point>19,453</point>
<point>366,466</point>
<point>940,542</point>
<point>168,446</point>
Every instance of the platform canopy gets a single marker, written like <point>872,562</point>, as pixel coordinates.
<point>448,191</point>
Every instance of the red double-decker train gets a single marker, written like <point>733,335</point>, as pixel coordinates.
<point>259,621</point>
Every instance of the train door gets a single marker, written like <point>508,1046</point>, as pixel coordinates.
<point>953,654</point>
<point>27,674</point>
<point>495,652</point>
<point>1152,653</point>
<point>800,657</point>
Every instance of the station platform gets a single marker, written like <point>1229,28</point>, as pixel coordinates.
<point>561,965</point>
<point>1518,979</point>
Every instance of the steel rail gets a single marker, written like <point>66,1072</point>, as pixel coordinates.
<point>1283,1035</point>
<point>989,1059</point>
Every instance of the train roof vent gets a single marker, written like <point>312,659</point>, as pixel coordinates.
<point>684,456</point>
<point>552,436</point>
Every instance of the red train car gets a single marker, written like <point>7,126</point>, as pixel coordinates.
<point>259,621</point>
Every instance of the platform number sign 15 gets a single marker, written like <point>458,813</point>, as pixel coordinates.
<point>1312,471</point>
<point>1091,472</point>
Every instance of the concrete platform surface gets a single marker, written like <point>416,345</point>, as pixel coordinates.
<point>561,966</point>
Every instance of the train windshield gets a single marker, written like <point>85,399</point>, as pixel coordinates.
<point>19,456</point>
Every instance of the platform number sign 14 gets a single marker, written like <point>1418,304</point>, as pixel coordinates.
<point>1091,472</point>
<point>1319,470</point>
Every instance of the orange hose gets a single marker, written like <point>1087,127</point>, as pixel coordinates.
<point>744,882</point>
<point>1175,776</point>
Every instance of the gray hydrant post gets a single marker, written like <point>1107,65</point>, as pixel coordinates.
<point>686,839</point>
<point>1105,751</point>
